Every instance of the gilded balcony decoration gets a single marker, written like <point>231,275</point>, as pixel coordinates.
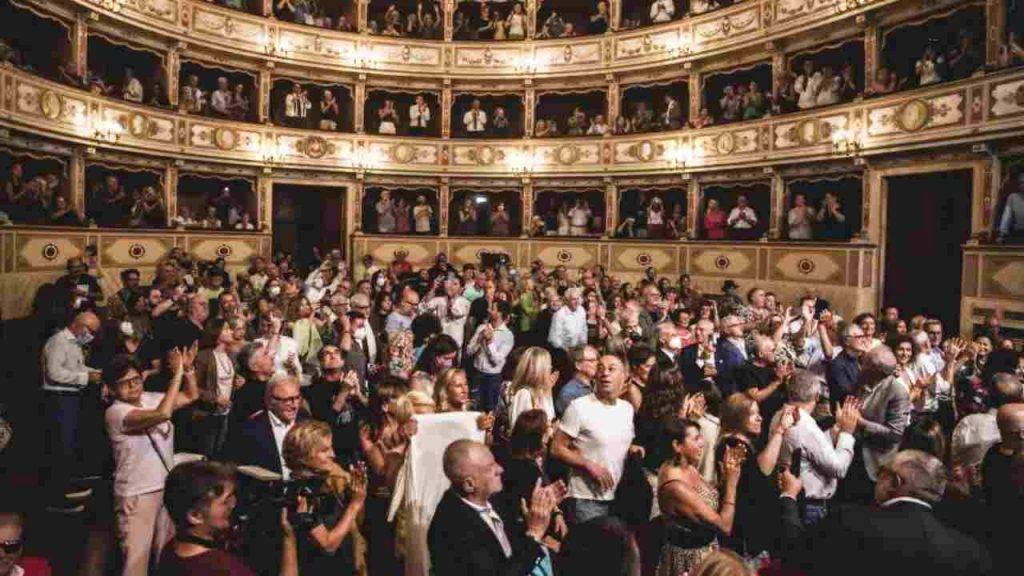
<point>198,22</point>
<point>1008,99</point>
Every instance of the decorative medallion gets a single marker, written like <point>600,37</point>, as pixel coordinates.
<point>136,251</point>
<point>402,153</point>
<point>644,259</point>
<point>406,53</point>
<point>807,132</point>
<point>483,155</point>
<point>725,143</point>
<point>567,154</point>
<point>223,251</point>
<point>314,146</point>
<point>225,138</point>
<point>567,53</point>
<point>644,151</point>
<point>722,262</point>
<point>139,126</point>
<point>51,105</point>
<point>488,56</point>
<point>913,116</point>
<point>805,266</point>
<point>564,256</point>
<point>50,251</point>
<point>401,253</point>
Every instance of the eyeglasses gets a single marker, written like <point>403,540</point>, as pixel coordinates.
<point>129,379</point>
<point>287,400</point>
<point>11,546</point>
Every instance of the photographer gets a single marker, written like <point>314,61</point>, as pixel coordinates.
<point>200,498</point>
<point>327,533</point>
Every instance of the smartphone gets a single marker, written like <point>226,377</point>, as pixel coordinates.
<point>796,462</point>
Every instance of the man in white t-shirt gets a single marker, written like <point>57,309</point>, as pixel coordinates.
<point>593,439</point>
<point>140,429</point>
<point>451,309</point>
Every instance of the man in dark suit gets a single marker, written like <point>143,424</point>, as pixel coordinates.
<point>257,442</point>
<point>670,344</point>
<point>468,536</point>
<point>900,535</point>
<point>697,361</point>
<point>730,354</point>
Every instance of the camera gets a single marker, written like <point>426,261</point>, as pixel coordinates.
<point>260,502</point>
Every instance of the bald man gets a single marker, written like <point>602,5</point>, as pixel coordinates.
<point>1003,486</point>
<point>976,433</point>
<point>469,536</point>
<point>65,379</point>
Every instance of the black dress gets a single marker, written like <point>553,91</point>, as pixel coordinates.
<point>757,511</point>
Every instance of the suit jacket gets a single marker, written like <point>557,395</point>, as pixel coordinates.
<point>728,358</point>
<point>253,443</point>
<point>886,409</point>
<point>462,544</point>
<point>692,373</point>
<point>664,362</point>
<point>902,538</point>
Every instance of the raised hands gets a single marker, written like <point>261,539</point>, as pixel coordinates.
<point>848,415</point>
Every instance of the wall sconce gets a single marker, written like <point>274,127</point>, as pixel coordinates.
<point>522,162</point>
<point>847,142</point>
<point>683,155</point>
<point>108,130</point>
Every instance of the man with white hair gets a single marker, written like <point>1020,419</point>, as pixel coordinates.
<point>825,456</point>
<point>885,411</point>
<point>697,361</point>
<point>899,535</point>
<point>569,323</point>
<point>220,100</point>
<point>259,439</point>
<point>730,353</point>
<point>670,344</point>
<point>976,433</point>
<point>452,308</point>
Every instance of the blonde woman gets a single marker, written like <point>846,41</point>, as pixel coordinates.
<point>333,545</point>
<point>451,394</point>
<point>532,383</point>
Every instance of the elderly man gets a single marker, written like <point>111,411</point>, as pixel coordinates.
<point>569,323</point>
<point>976,433</point>
<point>469,536</point>
<point>220,100</point>
<point>259,439</point>
<point>899,535</point>
<point>1002,487</point>
<point>730,353</point>
<point>762,378</point>
<point>885,415</point>
<point>593,439</point>
<point>401,317</point>
<point>697,361</point>
<point>452,309</point>
<point>65,378</point>
<point>844,369</point>
<point>584,359</point>
<point>826,456</point>
<point>670,344</point>
<point>362,352</point>
<point>475,120</point>
<point>335,397</point>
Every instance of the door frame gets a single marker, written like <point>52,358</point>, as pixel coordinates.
<point>981,186</point>
<point>352,193</point>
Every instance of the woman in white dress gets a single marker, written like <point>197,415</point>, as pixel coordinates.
<point>831,89</point>
<point>388,119</point>
<point>516,22</point>
<point>422,214</point>
<point>385,213</point>
<point>531,384</point>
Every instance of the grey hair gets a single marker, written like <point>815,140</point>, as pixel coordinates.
<point>456,457</point>
<point>804,387</point>
<point>879,359</point>
<point>280,380</point>
<point>921,475</point>
<point>577,353</point>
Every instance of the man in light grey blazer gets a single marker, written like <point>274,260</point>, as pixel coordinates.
<point>885,410</point>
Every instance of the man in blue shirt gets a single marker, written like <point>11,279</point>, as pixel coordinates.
<point>584,358</point>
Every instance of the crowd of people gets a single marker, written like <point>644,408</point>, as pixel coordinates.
<point>579,123</point>
<point>298,110</point>
<point>418,122</point>
<point>396,214</point>
<point>313,13</point>
<point>476,123</point>
<point>739,223</point>
<point>39,197</point>
<point>671,115</point>
<point>425,21</point>
<point>652,218</point>
<point>483,21</point>
<point>222,101</point>
<point>622,428</point>
<point>562,214</point>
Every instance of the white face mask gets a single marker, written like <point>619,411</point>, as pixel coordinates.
<point>676,343</point>
<point>274,290</point>
<point>127,329</point>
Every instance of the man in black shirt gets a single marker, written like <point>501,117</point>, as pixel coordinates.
<point>763,379</point>
<point>334,398</point>
<point>1002,474</point>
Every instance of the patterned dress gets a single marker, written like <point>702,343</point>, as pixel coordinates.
<point>687,543</point>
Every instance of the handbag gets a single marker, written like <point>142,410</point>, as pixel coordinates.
<point>634,496</point>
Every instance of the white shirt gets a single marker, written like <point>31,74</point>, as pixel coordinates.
<point>975,434</point>
<point>807,87</point>
<point>568,328</point>
<point>490,358</point>
<point>419,118</point>
<point>138,467</point>
<point>64,368</point>
<point>734,218</point>
<point>219,100</point>
<point>133,91</point>
<point>800,224</point>
<point>824,463</point>
<point>453,319</point>
<point>579,217</point>
<point>280,430</point>
<point>601,433</point>
<point>493,521</point>
<point>474,120</point>
<point>523,401</point>
<point>662,11</point>
<point>286,347</point>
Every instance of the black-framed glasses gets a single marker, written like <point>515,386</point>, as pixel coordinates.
<point>11,546</point>
<point>288,399</point>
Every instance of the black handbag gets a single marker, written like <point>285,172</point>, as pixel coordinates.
<point>634,497</point>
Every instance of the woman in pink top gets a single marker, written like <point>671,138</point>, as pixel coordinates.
<point>714,221</point>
